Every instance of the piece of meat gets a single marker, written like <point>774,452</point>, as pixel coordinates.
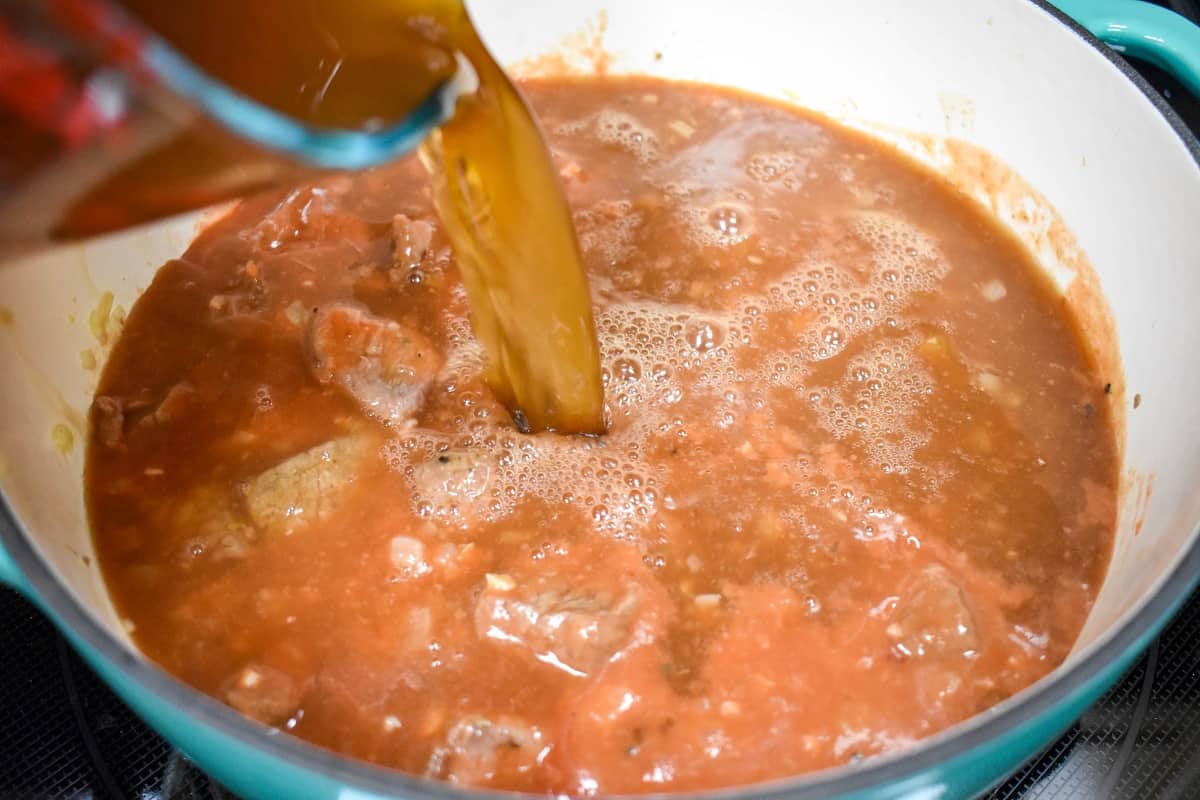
<point>407,554</point>
<point>219,527</point>
<point>263,693</point>
<point>108,420</point>
<point>310,217</point>
<point>382,364</point>
<point>477,747</point>
<point>411,239</point>
<point>308,486</point>
<point>114,417</point>
<point>932,618</point>
<point>174,406</point>
<point>418,633</point>
<point>575,631</point>
<point>244,295</point>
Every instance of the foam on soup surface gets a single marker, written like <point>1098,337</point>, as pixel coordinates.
<point>858,482</point>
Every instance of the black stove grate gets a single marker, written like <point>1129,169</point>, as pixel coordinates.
<point>1141,740</point>
<point>65,735</point>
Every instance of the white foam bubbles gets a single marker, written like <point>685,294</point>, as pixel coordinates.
<point>878,399</point>
<point>712,219</point>
<point>847,300</point>
<point>607,229</point>
<point>460,480</point>
<point>670,371</point>
<point>773,166</point>
<point>903,255</point>
<point>624,130</point>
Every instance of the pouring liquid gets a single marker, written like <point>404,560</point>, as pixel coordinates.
<point>364,64</point>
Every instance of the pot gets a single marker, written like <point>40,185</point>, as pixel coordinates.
<point>943,80</point>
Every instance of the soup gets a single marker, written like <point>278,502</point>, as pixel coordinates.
<point>857,483</point>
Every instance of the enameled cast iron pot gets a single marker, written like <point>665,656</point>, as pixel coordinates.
<point>1013,77</point>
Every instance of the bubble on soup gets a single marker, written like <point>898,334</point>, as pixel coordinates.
<point>626,370</point>
<point>573,127</point>
<point>877,401</point>
<point>606,230</point>
<point>626,131</point>
<point>731,223</point>
<point>903,255</point>
<point>465,356</point>
<point>850,301</point>
<point>773,166</point>
<point>703,335</point>
<point>717,224</point>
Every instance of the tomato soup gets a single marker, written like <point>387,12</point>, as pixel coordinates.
<point>857,483</point>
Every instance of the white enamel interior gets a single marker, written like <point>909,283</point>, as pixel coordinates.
<point>1001,74</point>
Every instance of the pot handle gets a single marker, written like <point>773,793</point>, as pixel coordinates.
<point>1145,31</point>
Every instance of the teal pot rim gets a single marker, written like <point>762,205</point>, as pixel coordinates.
<point>1012,717</point>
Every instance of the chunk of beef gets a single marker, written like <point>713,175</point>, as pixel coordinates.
<point>244,295</point>
<point>572,630</point>
<point>411,239</point>
<point>216,525</point>
<point>113,417</point>
<point>263,693</point>
<point>175,406</point>
<point>477,747</point>
<point>407,554</point>
<point>932,618</point>
<point>308,486</point>
<point>310,217</point>
<point>384,365</point>
<point>108,420</point>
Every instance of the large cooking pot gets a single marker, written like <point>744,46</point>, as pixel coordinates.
<point>1013,77</point>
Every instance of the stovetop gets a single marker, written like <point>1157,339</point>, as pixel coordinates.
<point>65,736</point>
